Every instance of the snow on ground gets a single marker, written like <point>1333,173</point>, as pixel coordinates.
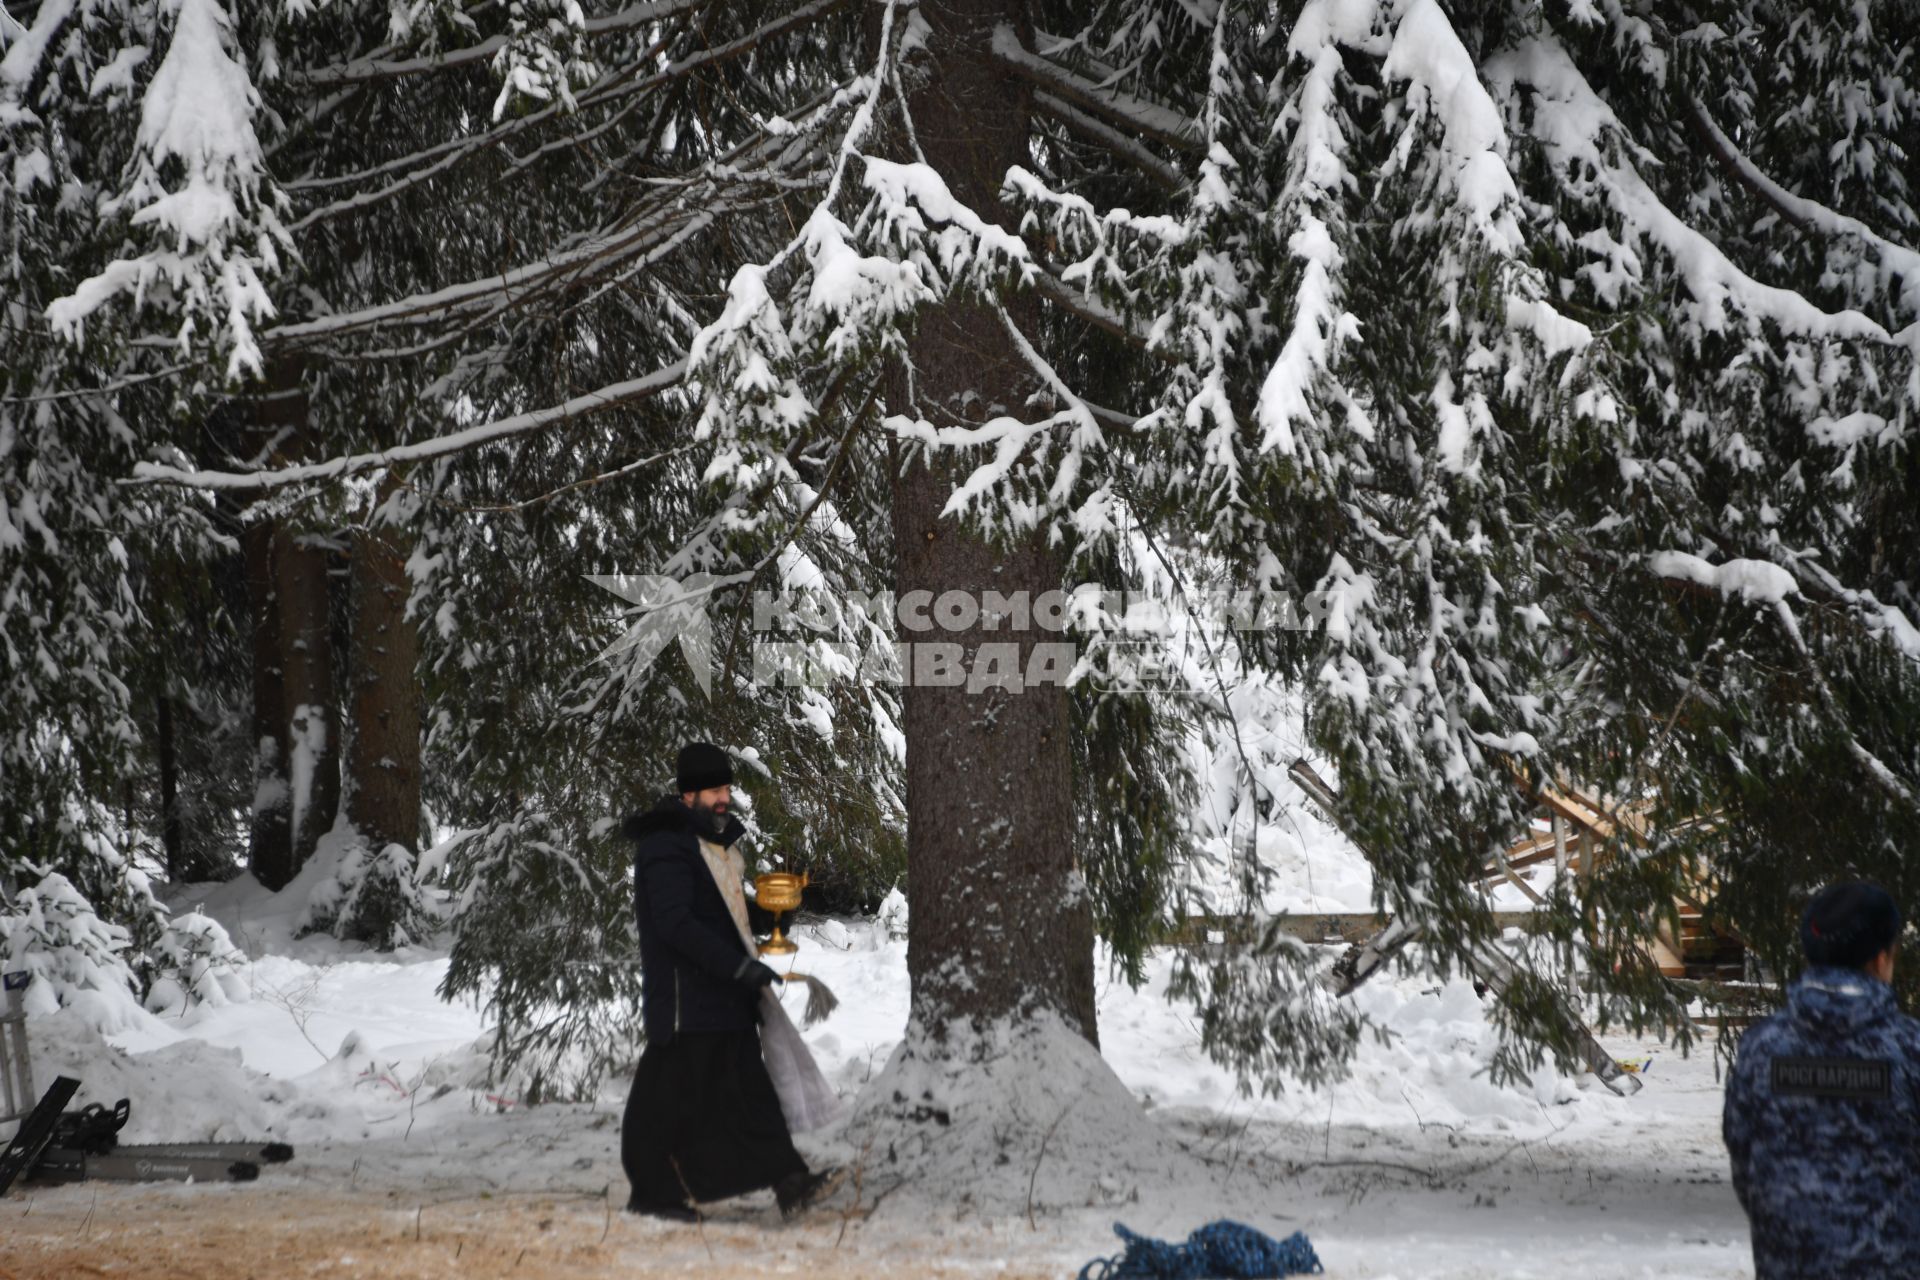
<point>409,1164</point>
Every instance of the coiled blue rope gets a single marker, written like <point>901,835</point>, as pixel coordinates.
<point>1218,1251</point>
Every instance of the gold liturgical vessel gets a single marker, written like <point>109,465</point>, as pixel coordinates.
<point>779,892</point>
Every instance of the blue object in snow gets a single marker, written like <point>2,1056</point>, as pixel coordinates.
<point>1218,1251</point>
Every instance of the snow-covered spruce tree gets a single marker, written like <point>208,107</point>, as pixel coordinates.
<point>82,688</point>
<point>1437,342</point>
<point>422,305</point>
<point>1567,352</point>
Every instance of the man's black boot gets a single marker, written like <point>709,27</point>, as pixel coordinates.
<point>664,1209</point>
<point>799,1192</point>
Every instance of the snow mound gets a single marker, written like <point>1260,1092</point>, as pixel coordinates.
<point>1433,1065</point>
<point>1422,1059</point>
<point>190,1091</point>
<point>1016,1119</point>
<point>1306,868</point>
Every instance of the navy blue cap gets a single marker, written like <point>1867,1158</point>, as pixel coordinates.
<point>1849,924</point>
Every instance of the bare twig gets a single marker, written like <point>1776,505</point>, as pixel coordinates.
<point>1033,1176</point>
<point>699,1218</point>
<point>298,1005</point>
<point>859,1182</point>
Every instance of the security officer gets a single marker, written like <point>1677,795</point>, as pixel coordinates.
<point>1822,1113</point>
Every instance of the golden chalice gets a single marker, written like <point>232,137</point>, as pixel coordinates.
<point>779,892</point>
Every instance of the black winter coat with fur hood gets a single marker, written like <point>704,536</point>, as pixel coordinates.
<point>693,963</point>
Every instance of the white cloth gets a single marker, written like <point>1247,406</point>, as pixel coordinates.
<point>806,1098</point>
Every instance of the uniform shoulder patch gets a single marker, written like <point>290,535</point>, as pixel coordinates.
<point>1862,1079</point>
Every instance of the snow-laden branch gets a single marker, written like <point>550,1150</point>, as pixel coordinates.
<point>1009,436</point>
<point>1773,587</point>
<point>1755,581</point>
<point>670,219</point>
<point>1085,435</point>
<point>608,397</point>
<point>1128,148</point>
<point>649,242</point>
<point>617,86</point>
<point>381,66</point>
<point>745,359</point>
<point>1873,766</point>
<point>1160,123</point>
<point>200,190</point>
<point>1445,83</point>
<point>1571,120</point>
<point>1895,259</point>
<point>1092,310</point>
<point>1316,177</point>
<point>1074,218</point>
<point>1889,622</point>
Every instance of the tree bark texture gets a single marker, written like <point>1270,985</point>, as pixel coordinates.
<point>383,753</point>
<point>295,713</point>
<point>170,833</point>
<point>270,841</point>
<point>312,714</point>
<point>1000,926</point>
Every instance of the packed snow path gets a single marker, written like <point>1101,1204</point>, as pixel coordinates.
<point>537,1194</point>
<point>409,1165</point>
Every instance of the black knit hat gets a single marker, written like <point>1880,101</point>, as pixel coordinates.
<point>1848,924</point>
<point>702,765</point>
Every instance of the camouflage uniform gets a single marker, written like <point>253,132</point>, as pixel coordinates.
<point>1822,1120</point>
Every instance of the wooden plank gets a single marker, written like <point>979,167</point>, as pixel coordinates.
<point>1581,815</point>
<point>1630,816</point>
<point>1498,972</point>
<point>1513,878</point>
<point>1316,927</point>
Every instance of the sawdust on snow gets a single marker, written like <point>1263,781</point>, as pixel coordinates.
<point>258,1232</point>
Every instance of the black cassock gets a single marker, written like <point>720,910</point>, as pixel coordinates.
<point>703,1121</point>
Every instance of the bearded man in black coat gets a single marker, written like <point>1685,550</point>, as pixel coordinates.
<point>703,1121</point>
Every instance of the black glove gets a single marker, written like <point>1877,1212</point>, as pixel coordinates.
<point>756,975</point>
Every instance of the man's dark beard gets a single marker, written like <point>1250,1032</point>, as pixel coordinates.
<point>713,820</point>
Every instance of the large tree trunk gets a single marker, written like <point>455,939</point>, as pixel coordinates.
<point>1000,926</point>
<point>997,1090</point>
<point>171,837</point>
<point>1000,1056</point>
<point>312,718</point>
<point>383,757</point>
<point>270,842</point>
<point>295,716</point>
